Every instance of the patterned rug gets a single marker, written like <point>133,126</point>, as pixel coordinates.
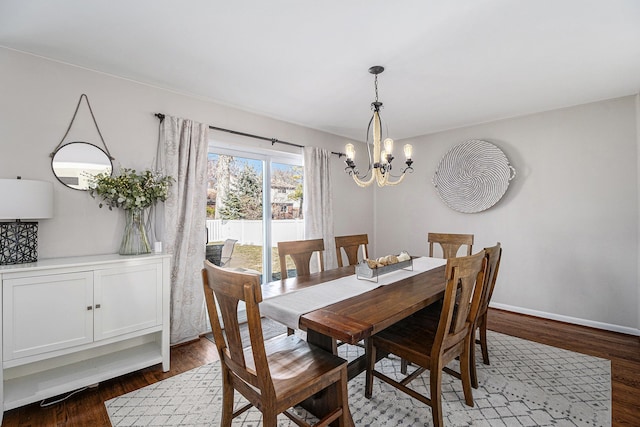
<point>527,384</point>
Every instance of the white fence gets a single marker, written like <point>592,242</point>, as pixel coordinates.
<point>249,232</point>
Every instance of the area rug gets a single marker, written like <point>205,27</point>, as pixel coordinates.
<point>527,384</point>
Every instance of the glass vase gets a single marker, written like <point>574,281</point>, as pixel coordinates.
<point>134,239</point>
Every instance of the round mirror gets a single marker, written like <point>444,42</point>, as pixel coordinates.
<point>74,164</point>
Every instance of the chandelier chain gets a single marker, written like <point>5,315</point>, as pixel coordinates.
<point>376,86</point>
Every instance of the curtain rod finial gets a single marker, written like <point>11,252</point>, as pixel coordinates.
<point>159,116</point>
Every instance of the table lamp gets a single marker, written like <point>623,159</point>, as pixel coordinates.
<point>22,199</point>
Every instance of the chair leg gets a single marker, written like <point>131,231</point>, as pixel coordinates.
<point>290,331</point>
<point>435,379</point>
<point>403,366</point>
<point>227,399</point>
<point>483,339</point>
<point>269,418</point>
<point>343,394</point>
<point>371,361</point>
<point>464,372</point>
<point>472,361</point>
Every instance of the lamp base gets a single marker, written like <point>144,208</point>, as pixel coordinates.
<point>18,242</point>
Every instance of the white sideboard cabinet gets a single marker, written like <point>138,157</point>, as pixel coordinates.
<point>68,323</point>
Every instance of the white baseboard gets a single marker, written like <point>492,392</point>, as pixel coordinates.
<point>567,319</point>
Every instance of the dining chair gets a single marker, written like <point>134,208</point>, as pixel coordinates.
<point>351,246</point>
<point>274,375</point>
<point>450,243</point>
<point>431,346</point>
<point>431,314</point>
<point>494,255</point>
<point>300,252</point>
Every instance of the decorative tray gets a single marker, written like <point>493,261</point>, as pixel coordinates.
<point>363,271</point>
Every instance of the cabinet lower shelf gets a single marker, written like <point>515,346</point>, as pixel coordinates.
<point>41,385</point>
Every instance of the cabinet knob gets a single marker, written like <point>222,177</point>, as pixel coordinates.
<point>97,305</point>
<point>89,307</point>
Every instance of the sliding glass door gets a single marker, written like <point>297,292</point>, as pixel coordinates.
<point>252,198</point>
<point>286,210</point>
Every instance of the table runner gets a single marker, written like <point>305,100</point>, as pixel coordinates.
<point>288,308</point>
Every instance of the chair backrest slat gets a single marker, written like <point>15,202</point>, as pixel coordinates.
<point>300,252</point>
<point>494,255</point>
<point>351,246</point>
<point>228,288</point>
<point>450,243</point>
<point>465,281</point>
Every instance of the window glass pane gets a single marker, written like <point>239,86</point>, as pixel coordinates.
<point>286,211</point>
<point>235,212</point>
<point>242,209</point>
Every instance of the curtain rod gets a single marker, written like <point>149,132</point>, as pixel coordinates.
<point>160,116</point>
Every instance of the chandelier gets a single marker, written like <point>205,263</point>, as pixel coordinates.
<point>380,161</point>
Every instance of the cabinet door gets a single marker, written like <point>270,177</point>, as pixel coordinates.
<point>47,312</point>
<point>127,299</point>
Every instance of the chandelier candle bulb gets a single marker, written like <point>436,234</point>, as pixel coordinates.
<point>408,151</point>
<point>388,145</point>
<point>350,150</point>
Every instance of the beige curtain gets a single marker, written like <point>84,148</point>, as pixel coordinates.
<point>184,144</point>
<point>318,206</point>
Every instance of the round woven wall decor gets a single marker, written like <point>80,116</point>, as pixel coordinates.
<point>473,176</point>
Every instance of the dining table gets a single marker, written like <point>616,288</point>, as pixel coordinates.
<point>337,304</point>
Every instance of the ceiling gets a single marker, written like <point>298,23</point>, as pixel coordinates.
<point>448,63</point>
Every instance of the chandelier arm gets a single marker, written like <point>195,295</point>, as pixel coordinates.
<point>369,145</point>
<point>353,171</point>
<point>363,183</point>
<point>383,126</point>
<point>404,171</point>
<point>388,182</point>
<point>356,173</point>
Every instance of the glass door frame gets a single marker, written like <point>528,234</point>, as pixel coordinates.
<point>268,157</point>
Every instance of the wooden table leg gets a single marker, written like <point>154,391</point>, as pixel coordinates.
<point>320,340</point>
<point>323,402</point>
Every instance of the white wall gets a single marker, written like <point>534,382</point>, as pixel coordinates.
<point>37,100</point>
<point>568,222</point>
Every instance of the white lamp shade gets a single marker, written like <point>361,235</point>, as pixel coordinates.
<point>25,199</point>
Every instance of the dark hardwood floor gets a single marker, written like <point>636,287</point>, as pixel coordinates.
<point>623,351</point>
<point>87,408</point>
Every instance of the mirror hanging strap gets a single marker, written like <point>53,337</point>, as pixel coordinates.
<point>94,122</point>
